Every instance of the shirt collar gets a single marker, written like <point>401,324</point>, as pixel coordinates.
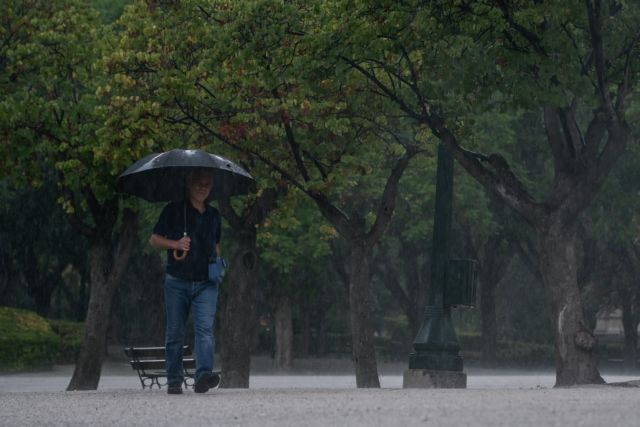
<point>207,208</point>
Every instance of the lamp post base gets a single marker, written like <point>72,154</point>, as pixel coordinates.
<point>427,378</point>
<point>441,361</point>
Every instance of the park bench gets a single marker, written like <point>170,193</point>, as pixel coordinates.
<point>149,362</point>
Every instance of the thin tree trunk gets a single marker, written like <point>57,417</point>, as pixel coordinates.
<point>362,345</point>
<point>239,311</point>
<point>489,323</point>
<point>574,340</point>
<point>417,287</point>
<point>43,296</point>
<point>631,305</point>
<point>496,257</point>
<point>107,265</point>
<point>284,333</point>
<point>321,339</point>
<point>630,325</point>
<point>305,326</point>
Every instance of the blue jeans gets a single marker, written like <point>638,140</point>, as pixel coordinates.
<point>202,298</point>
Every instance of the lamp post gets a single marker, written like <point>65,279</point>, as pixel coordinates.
<point>436,361</point>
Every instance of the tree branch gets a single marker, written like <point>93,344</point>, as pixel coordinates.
<point>264,204</point>
<point>624,88</point>
<point>501,181</point>
<point>388,92</point>
<point>387,203</point>
<point>594,11</point>
<point>227,211</point>
<point>337,217</point>
<point>532,38</point>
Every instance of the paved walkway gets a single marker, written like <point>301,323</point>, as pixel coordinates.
<point>494,398</point>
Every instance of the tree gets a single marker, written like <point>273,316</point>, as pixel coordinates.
<point>286,110</point>
<point>441,63</point>
<point>294,244</point>
<point>48,118</point>
<point>612,252</point>
<point>242,79</point>
<point>38,245</point>
<point>158,75</point>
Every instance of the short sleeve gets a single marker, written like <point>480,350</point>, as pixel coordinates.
<point>162,227</point>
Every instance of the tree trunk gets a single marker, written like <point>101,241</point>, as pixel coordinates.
<point>417,286</point>
<point>630,324</point>
<point>574,340</point>
<point>42,296</point>
<point>239,311</point>
<point>362,345</point>
<point>138,314</point>
<point>321,339</point>
<point>489,323</point>
<point>305,328</point>
<point>284,333</point>
<point>495,259</point>
<point>107,262</point>
<point>412,298</point>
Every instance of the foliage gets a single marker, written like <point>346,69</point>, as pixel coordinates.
<point>27,340</point>
<point>110,10</point>
<point>524,354</point>
<point>33,271</point>
<point>294,232</point>
<point>71,335</point>
<point>616,212</point>
<point>48,114</point>
<point>82,100</point>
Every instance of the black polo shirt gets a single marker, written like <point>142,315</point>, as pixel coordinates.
<point>204,231</point>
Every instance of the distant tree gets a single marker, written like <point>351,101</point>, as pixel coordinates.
<point>38,245</point>
<point>611,269</point>
<point>294,244</point>
<point>49,115</point>
<point>441,63</point>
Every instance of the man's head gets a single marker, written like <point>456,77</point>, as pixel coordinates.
<point>199,184</point>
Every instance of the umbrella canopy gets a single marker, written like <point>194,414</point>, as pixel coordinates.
<point>161,177</point>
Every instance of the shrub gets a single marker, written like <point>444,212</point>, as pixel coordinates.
<point>525,354</point>
<point>509,353</point>
<point>71,335</point>
<point>27,340</point>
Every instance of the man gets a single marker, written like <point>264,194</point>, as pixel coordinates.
<point>191,227</point>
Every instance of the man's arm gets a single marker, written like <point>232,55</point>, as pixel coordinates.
<point>161,242</point>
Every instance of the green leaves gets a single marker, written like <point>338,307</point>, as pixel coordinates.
<point>294,232</point>
<point>48,78</point>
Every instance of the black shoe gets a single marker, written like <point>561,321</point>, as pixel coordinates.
<point>214,380</point>
<point>174,389</point>
<point>206,381</point>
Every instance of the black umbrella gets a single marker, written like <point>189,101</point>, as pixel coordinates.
<point>161,177</point>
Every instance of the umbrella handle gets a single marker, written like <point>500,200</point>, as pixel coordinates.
<point>179,255</point>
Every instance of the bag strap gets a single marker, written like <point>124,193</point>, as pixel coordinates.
<point>216,219</point>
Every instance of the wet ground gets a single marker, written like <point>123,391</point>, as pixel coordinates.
<point>303,397</point>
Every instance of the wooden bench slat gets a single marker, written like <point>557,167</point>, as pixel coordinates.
<point>155,352</point>
<point>188,363</point>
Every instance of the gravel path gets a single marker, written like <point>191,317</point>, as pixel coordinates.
<point>493,398</point>
<point>584,406</point>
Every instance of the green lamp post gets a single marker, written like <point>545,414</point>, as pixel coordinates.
<point>436,361</point>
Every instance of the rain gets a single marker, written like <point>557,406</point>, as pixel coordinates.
<point>319,212</point>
